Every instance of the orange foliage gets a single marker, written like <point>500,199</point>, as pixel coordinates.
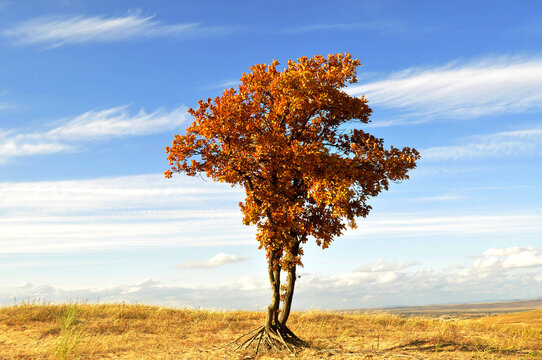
<point>284,136</point>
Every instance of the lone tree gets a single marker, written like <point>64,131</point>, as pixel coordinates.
<point>287,138</point>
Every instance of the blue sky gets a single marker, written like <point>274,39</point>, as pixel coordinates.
<point>92,91</point>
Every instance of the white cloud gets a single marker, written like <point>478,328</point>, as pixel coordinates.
<point>145,196</point>
<point>443,197</point>
<point>500,144</point>
<point>485,87</point>
<point>150,211</point>
<point>4,105</point>
<point>525,258</point>
<point>223,85</point>
<point>149,291</point>
<point>393,284</point>
<point>398,284</point>
<point>381,26</point>
<point>15,147</point>
<point>115,122</point>
<point>509,258</point>
<point>92,125</point>
<point>215,261</point>
<point>131,211</point>
<point>387,277</point>
<point>59,31</point>
<point>383,266</point>
<point>407,226</point>
<point>501,252</point>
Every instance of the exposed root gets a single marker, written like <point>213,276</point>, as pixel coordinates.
<point>269,339</point>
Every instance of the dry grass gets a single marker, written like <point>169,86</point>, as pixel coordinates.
<point>117,331</point>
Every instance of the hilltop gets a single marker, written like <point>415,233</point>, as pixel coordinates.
<point>118,331</point>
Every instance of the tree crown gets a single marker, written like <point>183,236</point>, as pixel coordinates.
<point>281,136</point>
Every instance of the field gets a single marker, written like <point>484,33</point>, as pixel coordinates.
<point>117,331</point>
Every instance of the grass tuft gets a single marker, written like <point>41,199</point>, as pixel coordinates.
<point>70,335</point>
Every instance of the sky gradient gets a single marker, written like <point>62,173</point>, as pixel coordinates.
<point>92,91</point>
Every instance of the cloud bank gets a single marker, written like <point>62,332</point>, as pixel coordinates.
<point>383,283</point>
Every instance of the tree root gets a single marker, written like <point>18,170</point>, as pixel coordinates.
<point>269,339</point>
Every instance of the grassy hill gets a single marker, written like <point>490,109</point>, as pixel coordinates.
<point>116,331</point>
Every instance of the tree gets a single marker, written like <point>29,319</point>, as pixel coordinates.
<point>287,138</point>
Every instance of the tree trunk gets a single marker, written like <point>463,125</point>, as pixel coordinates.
<point>290,284</point>
<point>271,319</point>
<point>288,296</point>
<point>275,334</point>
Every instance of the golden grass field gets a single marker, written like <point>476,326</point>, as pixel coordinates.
<point>117,331</point>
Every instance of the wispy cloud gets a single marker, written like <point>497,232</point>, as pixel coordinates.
<point>4,105</point>
<point>59,31</point>
<point>223,85</point>
<point>108,213</point>
<point>117,121</point>
<point>14,147</point>
<point>500,144</point>
<point>215,261</point>
<point>459,90</point>
<point>384,266</point>
<point>435,198</point>
<point>150,211</point>
<point>92,125</point>
<point>408,226</point>
<point>382,26</point>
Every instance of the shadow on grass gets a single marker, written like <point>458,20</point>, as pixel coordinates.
<point>450,346</point>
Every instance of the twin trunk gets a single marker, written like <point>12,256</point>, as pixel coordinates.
<point>276,319</point>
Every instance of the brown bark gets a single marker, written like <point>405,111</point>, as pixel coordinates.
<point>271,318</point>
<point>290,285</point>
<point>288,296</point>
<point>275,334</point>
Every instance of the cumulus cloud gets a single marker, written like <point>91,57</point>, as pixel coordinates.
<point>459,90</point>
<point>90,126</point>
<point>58,31</point>
<point>496,145</point>
<point>216,261</point>
<point>509,258</point>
